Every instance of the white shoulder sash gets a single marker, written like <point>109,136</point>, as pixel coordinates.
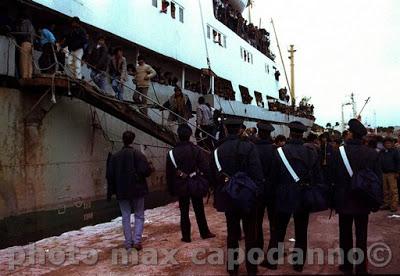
<point>346,160</point>
<point>171,156</point>
<point>217,160</point>
<point>287,165</point>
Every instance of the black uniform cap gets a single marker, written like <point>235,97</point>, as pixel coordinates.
<point>184,130</point>
<point>357,127</point>
<point>233,122</point>
<point>265,126</point>
<point>297,127</point>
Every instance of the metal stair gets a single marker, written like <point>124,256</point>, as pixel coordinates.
<point>125,111</point>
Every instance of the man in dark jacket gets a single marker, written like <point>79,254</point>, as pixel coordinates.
<point>269,161</point>
<point>126,175</point>
<point>76,40</point>
<point>188,158</point>
<point>348,204</point>
<point>389,159</point>
<point>237,155</point>
<point>98,61</point>
<point>289,194</point>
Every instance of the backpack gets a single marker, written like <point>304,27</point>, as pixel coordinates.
<point>239,190</point>
<point>193,184</point>
<point>364,183</point>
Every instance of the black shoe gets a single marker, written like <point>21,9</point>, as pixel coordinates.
<point>186,240</point>
<point>268,265</point>
<point>138,246</point>
<point>209,235</point>
<point>362,270</point>
<point>346,269</point>
<point>233,272</point>
<point>298,268</point>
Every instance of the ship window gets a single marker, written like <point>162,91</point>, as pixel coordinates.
<point>155,3</point>
<point>224,89</point>
<point>266,68</point>
<point>246,98</point>
<point>164,6</point>
<point>173,9</point>
<point>218,38</point>
<point>181,14</point>
<point>259,99</point>
<point>246,56</point>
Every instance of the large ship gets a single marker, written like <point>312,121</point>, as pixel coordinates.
<point>56,132</point>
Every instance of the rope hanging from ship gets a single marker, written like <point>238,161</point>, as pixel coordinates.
<point>209,60</point>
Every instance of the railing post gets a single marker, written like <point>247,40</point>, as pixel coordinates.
<point>183,77</point>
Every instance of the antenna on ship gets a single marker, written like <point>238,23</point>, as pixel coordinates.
<point>292,87</point>
<point>343,121</point>
<point>362,109</point>
<point>353,103</point>
<point>251,5</point>
<point>280,54</point>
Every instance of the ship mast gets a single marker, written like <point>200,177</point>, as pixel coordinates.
<point>292,87</point>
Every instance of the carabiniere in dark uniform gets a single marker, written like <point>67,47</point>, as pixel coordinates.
<point>189,158</point>
<point>236,155</point>
<point>290,201</point>
<point>269,162</point>
<point>347,203</point>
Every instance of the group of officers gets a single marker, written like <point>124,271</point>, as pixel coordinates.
<point>278,192</point>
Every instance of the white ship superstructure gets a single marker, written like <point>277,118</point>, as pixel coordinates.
<point>180,38</point>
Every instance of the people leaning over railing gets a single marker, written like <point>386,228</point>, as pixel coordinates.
<point>233,19</point>
<point>75,48</point>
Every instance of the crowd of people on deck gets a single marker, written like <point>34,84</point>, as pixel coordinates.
<point>304,111</point>
<point>233,19</point>
<point>250,173</point>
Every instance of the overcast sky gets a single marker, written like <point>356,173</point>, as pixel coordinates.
<point>343,46</point>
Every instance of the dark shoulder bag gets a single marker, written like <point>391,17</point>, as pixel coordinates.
<point>239,189</point>
<point>315,196</point>
<point>364,183</point>
<point>194,183</point>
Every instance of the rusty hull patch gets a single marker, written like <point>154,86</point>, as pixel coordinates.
<point>33,154</point>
